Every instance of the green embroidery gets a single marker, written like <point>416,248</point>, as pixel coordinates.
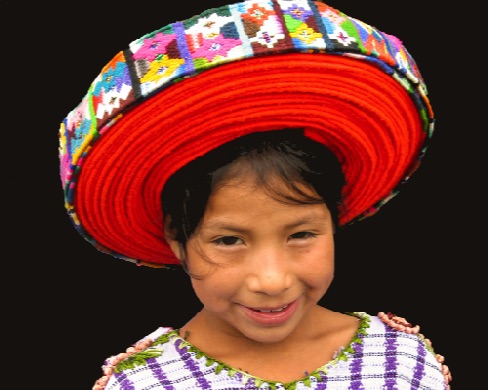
<point>349,350</point>
<point>164,338</point>
<point>138,359</point>
<point>219,368</point>
<point>317,375</point>
<point>199,354</point>
<point>231,372</point>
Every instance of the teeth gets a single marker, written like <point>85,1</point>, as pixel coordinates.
<point>273,311</point>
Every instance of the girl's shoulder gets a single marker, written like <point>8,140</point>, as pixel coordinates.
<point>385,327</point>
<point>135,355</point>
<point>391,335</point>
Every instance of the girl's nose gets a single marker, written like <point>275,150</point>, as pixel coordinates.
<point>270,272</point>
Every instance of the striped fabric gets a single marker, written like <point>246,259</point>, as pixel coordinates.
<point>378,358</point>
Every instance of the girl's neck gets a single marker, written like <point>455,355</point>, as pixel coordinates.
<point>310,346</point>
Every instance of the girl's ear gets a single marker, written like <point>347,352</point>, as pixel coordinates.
<point>169,233</point>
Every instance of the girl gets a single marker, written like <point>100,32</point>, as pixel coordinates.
<point>235,144</point>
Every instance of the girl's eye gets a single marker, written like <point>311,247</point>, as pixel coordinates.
<point>302,235</point>
<point>228,240</point>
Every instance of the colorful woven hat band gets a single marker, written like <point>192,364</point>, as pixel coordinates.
<point>253,66</point>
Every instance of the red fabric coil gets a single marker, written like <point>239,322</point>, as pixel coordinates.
<point>358,111</point>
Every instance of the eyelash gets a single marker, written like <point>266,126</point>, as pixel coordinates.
<point>304,235</point>
<point>221,240</point>
<point>298,236</point>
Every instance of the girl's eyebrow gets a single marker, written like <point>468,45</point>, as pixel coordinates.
<point>223,225</point>
<point>305,220</point>
<point>311,218</point>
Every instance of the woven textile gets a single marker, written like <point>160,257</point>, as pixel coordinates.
<point>378,358</point>
<point>157,105</point>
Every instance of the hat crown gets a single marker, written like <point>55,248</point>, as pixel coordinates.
<point>182,50</point>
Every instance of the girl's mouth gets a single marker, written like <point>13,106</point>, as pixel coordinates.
<point>270,310</point>
<point>267,316</point>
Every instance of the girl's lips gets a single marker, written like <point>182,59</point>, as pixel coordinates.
<point>271,316</point>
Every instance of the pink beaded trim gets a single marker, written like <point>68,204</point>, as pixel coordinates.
<point>108,368</point>
<point>401,324</point>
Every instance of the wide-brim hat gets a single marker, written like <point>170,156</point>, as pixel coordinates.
<point>258,65</point>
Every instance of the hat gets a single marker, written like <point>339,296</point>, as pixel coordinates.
<point>258,65</point>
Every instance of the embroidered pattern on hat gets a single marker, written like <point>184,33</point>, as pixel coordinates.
<point>220,35</point>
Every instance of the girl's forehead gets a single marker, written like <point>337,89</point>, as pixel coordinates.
<point>249,181</point>
<point>244,197</point>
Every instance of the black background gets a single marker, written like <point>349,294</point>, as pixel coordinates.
<point>68,307</point>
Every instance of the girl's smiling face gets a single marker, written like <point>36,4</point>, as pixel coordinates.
<point>259,265</point>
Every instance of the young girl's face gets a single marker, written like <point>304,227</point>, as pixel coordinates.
<point>261,265</point>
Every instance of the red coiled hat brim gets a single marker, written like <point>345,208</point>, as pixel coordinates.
<point>362,114</point>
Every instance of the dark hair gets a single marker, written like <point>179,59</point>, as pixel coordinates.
<point>284,154</point>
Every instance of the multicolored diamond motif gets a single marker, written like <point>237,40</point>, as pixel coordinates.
<point>230,33</point>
